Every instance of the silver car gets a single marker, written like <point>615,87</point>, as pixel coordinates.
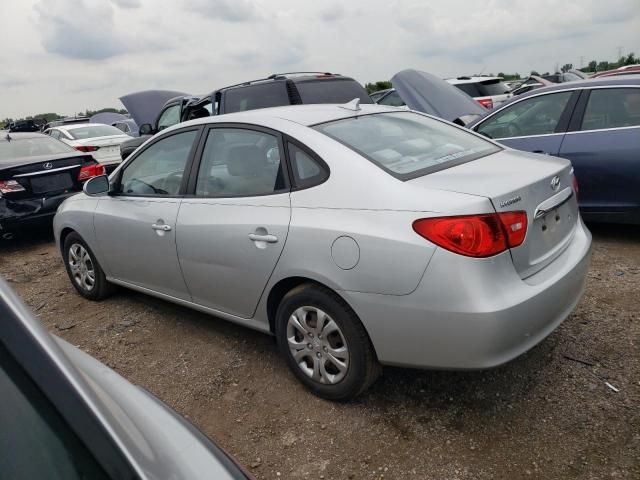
<point>359,236</point>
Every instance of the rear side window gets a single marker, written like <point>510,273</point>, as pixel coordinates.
<point>252,97</point>
<point>612,108</point>
<point>407,144</point>
<point>331,90</point>
<point>307,171</point>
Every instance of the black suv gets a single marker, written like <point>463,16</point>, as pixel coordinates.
<point>295,88</point>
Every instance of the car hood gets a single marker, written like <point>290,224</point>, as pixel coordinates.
<point>164,444</point>
<point>145,106</point>
<point>429,94</point>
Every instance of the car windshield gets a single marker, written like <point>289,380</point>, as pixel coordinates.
<point>407,144</point>
<point>93,131</point>
<point>31,147</point>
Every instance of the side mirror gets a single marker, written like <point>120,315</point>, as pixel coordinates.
<point>96,186</point>
<point>146,129</point>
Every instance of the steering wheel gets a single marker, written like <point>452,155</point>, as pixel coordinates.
<point>171,184</point>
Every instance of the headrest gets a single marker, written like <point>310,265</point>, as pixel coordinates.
<point>245,161</point>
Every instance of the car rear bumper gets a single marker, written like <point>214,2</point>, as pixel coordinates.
<point>474,313</point>
<point>18,213</point>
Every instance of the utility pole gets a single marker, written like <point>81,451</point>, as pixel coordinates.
<point>581,61</point>
<point>619,53</point>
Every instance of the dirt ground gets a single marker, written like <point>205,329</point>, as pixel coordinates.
<point>549,414</point>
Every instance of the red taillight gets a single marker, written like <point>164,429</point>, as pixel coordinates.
<point>576,189</point>
<point>478,236</point>
<point>86,148</point>
<point>91,171</point>
<point>486,103</point>
<point>10,186</point>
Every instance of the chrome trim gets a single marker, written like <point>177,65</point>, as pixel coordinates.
<point>530,136</point>
<point>42,172</point>
<point>602,129</point>
<point>552,203</point>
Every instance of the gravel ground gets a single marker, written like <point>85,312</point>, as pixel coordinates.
<point>549,414</point>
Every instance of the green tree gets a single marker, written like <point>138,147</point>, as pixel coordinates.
<point>533,72</point>
<point>603,66</point>
<point>593,65</point>
<point>566,67</point>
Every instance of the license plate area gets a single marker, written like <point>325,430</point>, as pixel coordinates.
<point>51,183</point>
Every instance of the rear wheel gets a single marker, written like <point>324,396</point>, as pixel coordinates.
<point>83,269</point>
<point>324,343</point>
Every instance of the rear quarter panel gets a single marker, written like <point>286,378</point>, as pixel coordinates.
<point>76,213</point>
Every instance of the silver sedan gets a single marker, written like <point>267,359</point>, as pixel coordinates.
<point>359,236</point>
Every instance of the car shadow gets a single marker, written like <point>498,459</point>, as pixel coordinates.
<point>25,238</point>
<point>616,233</point>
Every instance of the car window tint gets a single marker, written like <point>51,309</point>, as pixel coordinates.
<point>331,90</point>
<point>35,441</point>
<point>159,168</point>
<point>470,89</point>
<point>406,144</point>
<point>393,100</point>
<point>493,87</point>
<point>534,116</point>
<point>169,117</point>
<point>252,97</point>
<point>41,145</point>
<point>306,170</point>
<point>237,162</point>
<point>612,108</point>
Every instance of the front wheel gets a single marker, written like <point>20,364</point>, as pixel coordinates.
<point>324,343</point>
<point>83,269</point>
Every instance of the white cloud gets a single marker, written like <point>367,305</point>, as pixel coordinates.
<point>69,55</point>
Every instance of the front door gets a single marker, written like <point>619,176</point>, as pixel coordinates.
<point>136,226</point>
<point>233,228</point>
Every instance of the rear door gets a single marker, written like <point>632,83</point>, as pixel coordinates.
<point>233,226</point>
<point>136,226</point>
<point>535,124</point>
<point>604,147</point>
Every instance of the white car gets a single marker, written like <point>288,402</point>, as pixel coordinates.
<point>102,141</point>
<point>490,92</point>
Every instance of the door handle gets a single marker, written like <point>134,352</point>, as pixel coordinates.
<point>254,237</point>
<point>162,228</point>
<point>540,151</point>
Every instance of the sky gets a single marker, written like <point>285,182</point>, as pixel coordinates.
<point>67,56</point>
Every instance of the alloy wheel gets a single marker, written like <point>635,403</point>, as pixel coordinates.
<point>81,267</point>
<point>317,345</point>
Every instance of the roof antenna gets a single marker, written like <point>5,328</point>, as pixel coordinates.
<point>352,105</point>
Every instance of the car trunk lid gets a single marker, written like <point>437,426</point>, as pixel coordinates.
<point>520,181</point>
<point>46,176</point>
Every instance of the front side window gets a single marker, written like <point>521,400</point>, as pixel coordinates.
<point>170,117</point>
<point>237,162</point>
<point>407,144</point>
<point>158,170</point>
<point>538,115</point>
<point>612,108</point>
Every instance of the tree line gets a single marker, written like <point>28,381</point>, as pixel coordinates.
<point>42,118</point>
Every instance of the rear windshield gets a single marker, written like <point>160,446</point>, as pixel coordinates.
<point>486,88</point>
<point>93,131</point>
<point>252,97</point>
<point>332,90</point>
<point>406,144</point>
<point>31,147</point>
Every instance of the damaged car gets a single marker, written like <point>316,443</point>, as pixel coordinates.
<point>37,173</point>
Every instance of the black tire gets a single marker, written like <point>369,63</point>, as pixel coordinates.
<point>363,367</point>
<point>101,288</point>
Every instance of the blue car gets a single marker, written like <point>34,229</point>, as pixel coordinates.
<point>595,124</point>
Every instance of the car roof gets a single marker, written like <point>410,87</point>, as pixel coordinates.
<point>76,126</point>
<point>587,83</point>
<point>306,115</point>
